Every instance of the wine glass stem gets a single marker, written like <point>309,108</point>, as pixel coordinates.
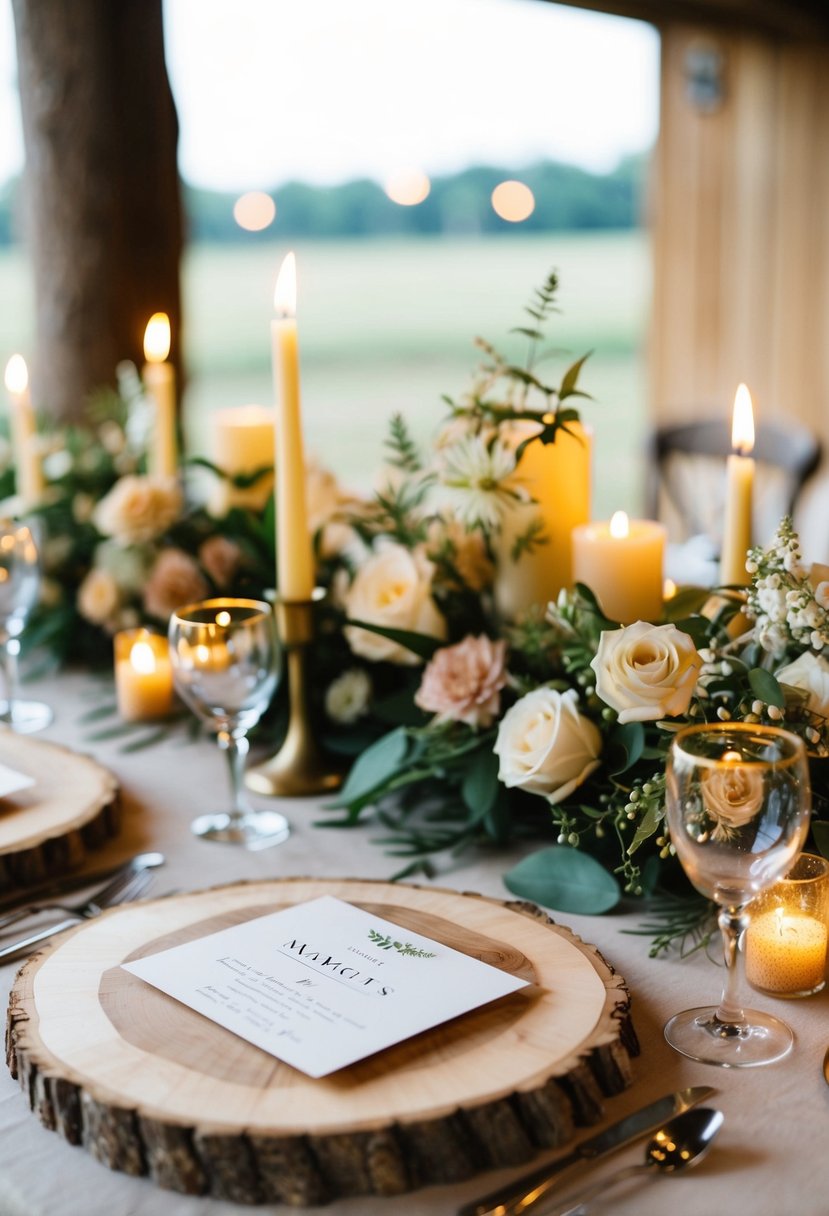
<point>733,922</point>
<point>10,650</point>
<point>236,749</point>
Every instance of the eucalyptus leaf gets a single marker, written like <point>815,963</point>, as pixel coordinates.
<point>627,743</point>
<point>698,628</point>
<point>564,879</point>
<point>480,785</point>
<point>766,687</point>
<point>687,602</point>
<point>375,766</point>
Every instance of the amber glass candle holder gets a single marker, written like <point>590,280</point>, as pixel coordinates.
<point>786,940</point>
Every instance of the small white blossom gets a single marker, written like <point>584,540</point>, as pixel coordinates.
<point>347,697</point>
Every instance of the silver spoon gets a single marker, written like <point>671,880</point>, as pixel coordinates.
<point>683,1141</point>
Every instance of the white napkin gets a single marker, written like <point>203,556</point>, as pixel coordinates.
<point>12,781</point>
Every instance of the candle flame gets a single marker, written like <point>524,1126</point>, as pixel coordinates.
<point>619,525</point>
<point>17,374</point>
<point>157,338</point>
<point>142,658</point>
<point>668,589</point>
<point>223,619</point>
<point>284,296</point>
<point>732,757</point>
<point>742,424</point>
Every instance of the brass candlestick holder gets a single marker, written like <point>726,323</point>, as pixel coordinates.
<point>300,768</point>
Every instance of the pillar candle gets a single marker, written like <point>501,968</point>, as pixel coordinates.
<point>621,562</point>
<point>23,428</point>
<point>143,675</point>
<point>557,476</point>
<point>242,442</point>
<point>295,563</point>
<point>786,952</point>
<point>160,382</point>
<point>739,493</point>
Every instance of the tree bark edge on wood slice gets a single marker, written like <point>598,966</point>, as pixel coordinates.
<point>48,830</point>
<point>246,1164</point>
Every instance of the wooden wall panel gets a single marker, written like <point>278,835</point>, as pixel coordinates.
<point>741,238</point>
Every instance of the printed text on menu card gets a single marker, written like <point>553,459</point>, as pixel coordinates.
<point>323,984</point>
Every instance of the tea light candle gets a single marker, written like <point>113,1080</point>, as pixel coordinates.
<point>786,952</point>
<point>160,382</point>
<point>621,563</point>
<point>143,675</point>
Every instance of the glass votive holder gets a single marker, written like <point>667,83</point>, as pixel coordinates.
<point>785,942</point>
<point>143,675</point>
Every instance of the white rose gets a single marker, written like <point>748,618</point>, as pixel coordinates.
<point>392,589</point>
<point>810,673</point>
<point>733,795</point>
<point>645,671</point>
<point>138,509</point>
<point>546,746</point>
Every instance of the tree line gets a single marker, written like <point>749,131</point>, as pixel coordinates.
<point>567,198</point>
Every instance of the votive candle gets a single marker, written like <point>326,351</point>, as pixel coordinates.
<point>143,675</point>
<point>787,936</point>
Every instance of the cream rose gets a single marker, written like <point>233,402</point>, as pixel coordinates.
<point>810,673</point>
<point>732,796</point>
<point>546,746</point>
<point>99,597</point>
<point>646,672</point>
<point>138,509</point>
<point>393,588</point>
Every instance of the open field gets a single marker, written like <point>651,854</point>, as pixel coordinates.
<point>388,325</point>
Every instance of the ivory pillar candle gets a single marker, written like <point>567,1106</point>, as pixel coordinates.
<point>294,558</point>
<point>23,428</point>
<point>160,382</point>
<point>739,493</point>
<point>557,476</point>
<point>621,562</point>
<point>242,441</point>
<point>143,675</point>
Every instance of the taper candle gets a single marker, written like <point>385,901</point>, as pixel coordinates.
<point>23,428</point>
<point>160,382</point>
<point>294,559</point>
<point>739,493</point>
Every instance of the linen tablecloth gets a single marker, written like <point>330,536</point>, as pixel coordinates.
<point>771,1157</point>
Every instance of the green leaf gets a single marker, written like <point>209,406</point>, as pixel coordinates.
<point>649,823</point>
<point>626,746</point>
<point>766,687</point>
<point>564,879</point>
<point>698,629</point>
<point>419,643</point>
<point>686,602</point>
<point>568,383</point>
<point>399,709</point>
<point>480,786</point>
<point>375,766</point>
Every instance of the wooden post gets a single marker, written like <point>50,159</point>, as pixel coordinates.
<point>103,208</point>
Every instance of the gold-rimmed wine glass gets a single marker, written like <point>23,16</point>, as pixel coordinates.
<point>738,805</point>
<point>224,658</point>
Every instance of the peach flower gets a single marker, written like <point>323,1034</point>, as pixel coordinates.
<point>463,683</point>
<point>174,580</point>
<point>220,557</point>
<point>138,509</point>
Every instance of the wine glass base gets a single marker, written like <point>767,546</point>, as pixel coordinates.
<point>698,1034</point>
<point>253,830</point>
<point>27,716</point>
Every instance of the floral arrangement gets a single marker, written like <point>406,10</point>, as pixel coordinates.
<point>463,729</point>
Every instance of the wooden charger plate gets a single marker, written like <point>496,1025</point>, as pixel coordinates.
<point>150,1087</point>
<point>49,828</point>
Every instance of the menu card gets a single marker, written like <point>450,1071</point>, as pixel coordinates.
<point>323,984</point>
<point>11,782</point>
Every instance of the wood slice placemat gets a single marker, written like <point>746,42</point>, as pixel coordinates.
<point>49,828</point>
<point>148,1086</point>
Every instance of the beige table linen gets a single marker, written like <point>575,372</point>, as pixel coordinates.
<point>771,1158</point>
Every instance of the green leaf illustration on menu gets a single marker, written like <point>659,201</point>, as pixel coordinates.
<point>384,942</point>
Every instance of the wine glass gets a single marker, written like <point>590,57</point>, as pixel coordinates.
<point>738,804</point>
<point>19,588</point>
<point>224,657</point>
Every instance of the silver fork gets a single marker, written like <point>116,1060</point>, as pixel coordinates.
<point>127,887</point>
<point>143,861</point>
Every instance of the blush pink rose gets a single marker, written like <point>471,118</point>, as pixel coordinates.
<point>463,683</point>
<point>174,580</point>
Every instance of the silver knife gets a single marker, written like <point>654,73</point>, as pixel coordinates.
<point>128,885</point>
<point>524,1193</point>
